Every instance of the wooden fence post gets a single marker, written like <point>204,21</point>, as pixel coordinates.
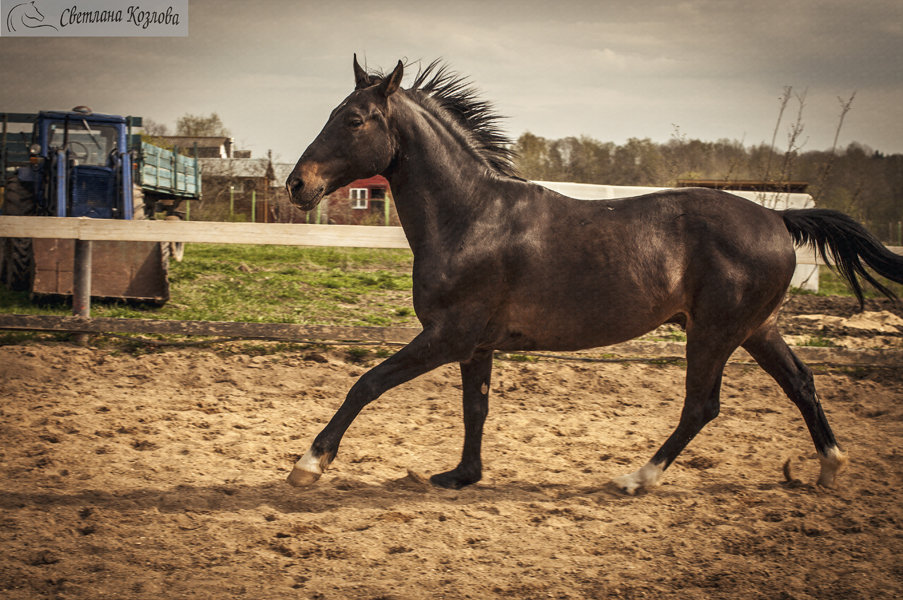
<point>81,285</point>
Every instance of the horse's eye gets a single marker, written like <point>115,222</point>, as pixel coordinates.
<point>355,123</point>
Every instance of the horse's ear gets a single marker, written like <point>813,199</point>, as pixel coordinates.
<point>361,79</point>
<point>391,83</point>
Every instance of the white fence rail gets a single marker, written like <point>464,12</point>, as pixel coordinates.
<point>277,234</point>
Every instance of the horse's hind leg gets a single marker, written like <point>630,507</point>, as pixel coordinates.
<point>771,352</point>
<point>475,379</point>
<point>705,364</point>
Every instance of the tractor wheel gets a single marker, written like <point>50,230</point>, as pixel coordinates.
<point>165,253</point>
<point>140,210</point>
<point>17,253</point>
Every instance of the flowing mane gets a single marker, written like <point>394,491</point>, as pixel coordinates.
<point>452,97</point>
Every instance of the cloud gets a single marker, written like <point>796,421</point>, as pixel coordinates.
<point>609,70</point>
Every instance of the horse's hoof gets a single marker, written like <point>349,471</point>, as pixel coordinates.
<point>452,480</point>
<point>309,468</point>
<point>301,478</point>
<point>627,484</point>
<point>832,463</point>
<point>645,478</point>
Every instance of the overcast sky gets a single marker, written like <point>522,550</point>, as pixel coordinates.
<point>273,70</point>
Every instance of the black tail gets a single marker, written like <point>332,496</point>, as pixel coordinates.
<point>849,243</point>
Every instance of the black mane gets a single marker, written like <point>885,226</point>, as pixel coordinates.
<point>458,99</point>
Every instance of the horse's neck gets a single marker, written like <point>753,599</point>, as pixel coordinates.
<point>436,178</point>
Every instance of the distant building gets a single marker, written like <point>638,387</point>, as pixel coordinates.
<point>237,189</point>
<point>241,188</point>
<point>208,147</point>
<point>361,202</point>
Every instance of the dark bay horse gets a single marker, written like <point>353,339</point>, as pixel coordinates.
<point>503,264</point>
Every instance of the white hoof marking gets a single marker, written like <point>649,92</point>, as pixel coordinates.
<point>307,470</point>
<point>647,477</point>
<point>832,463</point>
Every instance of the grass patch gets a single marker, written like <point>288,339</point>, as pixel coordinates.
<point>524,358</point>
<point>818,342</point>
<point>267,284</point>
<point>285,284</point>
<point>671,336</point>
<point>832,284</point>
<point>357,354</point>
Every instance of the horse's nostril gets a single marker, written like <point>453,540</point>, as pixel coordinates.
<point>294,185</point>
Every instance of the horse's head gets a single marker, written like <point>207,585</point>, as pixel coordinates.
<point>355,143</point>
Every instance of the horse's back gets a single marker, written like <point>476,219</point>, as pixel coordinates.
<point>736,255</point>
<point>598,272</point>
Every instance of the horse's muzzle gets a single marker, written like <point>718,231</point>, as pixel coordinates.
<point>305,194</point>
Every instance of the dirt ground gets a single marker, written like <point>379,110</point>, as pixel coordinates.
<point>160,474</point>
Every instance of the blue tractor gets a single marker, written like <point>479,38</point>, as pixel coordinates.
<point>82,164</point>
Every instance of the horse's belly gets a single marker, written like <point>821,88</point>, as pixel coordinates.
<point>549,329</point>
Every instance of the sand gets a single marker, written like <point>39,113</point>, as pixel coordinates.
<point>160,474</point>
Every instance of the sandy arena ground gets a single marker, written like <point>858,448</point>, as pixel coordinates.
<point>161,475</point>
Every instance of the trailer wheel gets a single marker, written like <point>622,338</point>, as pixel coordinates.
<point>16,254</point>
<point>176,249</point>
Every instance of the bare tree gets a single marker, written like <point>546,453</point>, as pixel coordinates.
<point>829,163</point>
<point>154,129</point>
<point>201,126</point>
<point>793,140</point>
<point>783,99</point>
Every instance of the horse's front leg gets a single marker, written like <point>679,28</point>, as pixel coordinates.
<point>475,377</point>
<point>426,352</point>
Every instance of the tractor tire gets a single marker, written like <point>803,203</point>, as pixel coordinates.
<point>17,269</point>
<point>140,210</point>
<point>165,254</point>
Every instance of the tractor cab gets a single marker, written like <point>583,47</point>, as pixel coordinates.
<point>80,165</point>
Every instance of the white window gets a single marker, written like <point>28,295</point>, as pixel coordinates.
<point>358,198</point>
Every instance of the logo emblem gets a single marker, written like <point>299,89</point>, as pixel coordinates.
<point>26,15</point>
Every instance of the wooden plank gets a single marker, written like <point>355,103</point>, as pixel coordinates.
<point>263,331</point>
<point>14,226</point>
<point>213,232</point>
<point>400,336</point>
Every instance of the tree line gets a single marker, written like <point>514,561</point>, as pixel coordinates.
<point>865,184</point>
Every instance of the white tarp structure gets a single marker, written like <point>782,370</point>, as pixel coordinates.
<point>805,276</point>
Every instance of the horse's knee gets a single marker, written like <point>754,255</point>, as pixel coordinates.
<point>802,382</point>
<point>364,391</point>
<point>700,414</point>
<point>710,411</point>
